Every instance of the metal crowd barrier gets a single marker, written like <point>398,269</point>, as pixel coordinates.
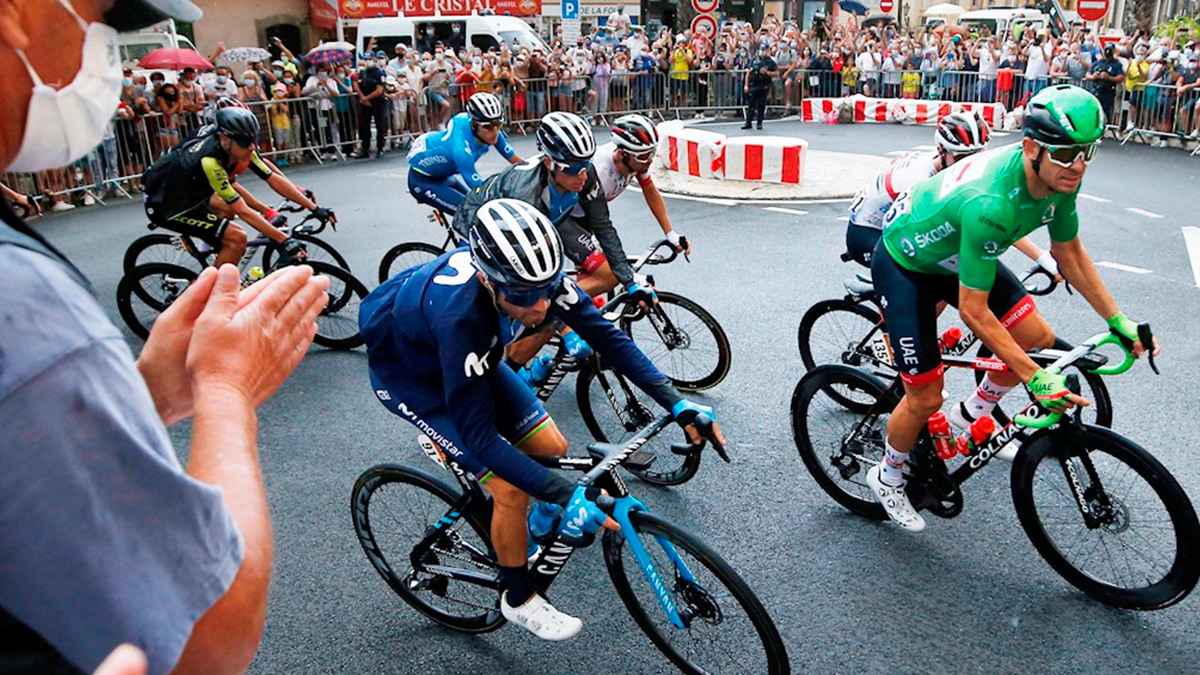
<point>328,128</point>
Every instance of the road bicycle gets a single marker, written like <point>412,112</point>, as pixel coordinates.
<point>1101,510</point>
<point>161,247</point>
<point>851,331</point>
<point>431,543</point>
<point>412,253</point>
<point>148,289</point>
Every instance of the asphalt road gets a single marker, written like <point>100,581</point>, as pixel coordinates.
<point>849,596</point>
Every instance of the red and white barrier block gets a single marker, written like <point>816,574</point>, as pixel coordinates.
<point>908,111</point>
<point>688,150</point>
<point>770,159</point>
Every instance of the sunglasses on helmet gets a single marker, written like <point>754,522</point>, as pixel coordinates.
<point>572,169</point>
<point>1066,155</point>
<point>528,296</point>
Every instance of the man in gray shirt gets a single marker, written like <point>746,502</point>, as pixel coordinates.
<point>104,538</point>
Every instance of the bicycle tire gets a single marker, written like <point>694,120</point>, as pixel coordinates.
<point>1184,570</point>
<point>636,413</point>
<point>136,291</point>
<point>384,475</point>
<point>158,247</point>
<point>1093,388</point>
<point>708,380</point>
<point>804,333</point>
<point>337,324</point>
<point>319,250</point>
<point>733,642</point>
<point>855,496</point>
<point>410,253</point>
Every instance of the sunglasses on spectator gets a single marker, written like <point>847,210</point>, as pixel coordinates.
<point>572,169</point>
<point>528,296</point>
<point>1066,155</point>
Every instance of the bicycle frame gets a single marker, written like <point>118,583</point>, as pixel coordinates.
<point>553,557</point>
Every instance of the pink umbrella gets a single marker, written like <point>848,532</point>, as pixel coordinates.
<point>174,59</point>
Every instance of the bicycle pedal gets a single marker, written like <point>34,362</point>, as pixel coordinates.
<point>640,460</point>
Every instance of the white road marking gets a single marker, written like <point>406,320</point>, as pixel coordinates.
<point>1093,198</point>
<point>837,200</point>
<point>923,147</point>
<point>1142,212</point>
<point>1123,268</point>
<point>1191,237</point>
<point>794,212</point>
<point>1001,134</point>
<point>844,219</point>
<point>706,200</point>
<point>897,153</point>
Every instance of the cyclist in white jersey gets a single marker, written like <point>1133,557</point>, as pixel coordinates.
<point>959,136</point>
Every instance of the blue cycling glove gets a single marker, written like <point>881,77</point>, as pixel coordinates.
<point>638,294</point>
<point>686,411</point>
<point>581,519</point>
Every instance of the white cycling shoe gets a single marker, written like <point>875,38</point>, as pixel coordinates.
<point>962,421</point>
<point>895,502</point>
<point>539,617</point>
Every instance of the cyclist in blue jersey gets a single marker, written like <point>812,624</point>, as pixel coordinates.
<point>441,164</point>
<point>436,336</point>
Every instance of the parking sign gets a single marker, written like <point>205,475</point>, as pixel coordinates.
<point>570,9</point>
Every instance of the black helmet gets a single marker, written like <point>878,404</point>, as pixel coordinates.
<point>239,124</point>
<point>484,107</point>
<point>514,243</point>
<point>566,138</point>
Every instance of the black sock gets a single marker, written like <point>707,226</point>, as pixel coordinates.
<point>517,583</point>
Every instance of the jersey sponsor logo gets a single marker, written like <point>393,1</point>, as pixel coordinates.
<point>1048,216</point>
<point>570,297</point>
<point>908,352</point>
<point>464,270</point>
<point>383,394</point>
<point>476,364</point>
<point>907,246</point>
<point>991,223</point>
<point>933,236</point>
<point>991,250</point>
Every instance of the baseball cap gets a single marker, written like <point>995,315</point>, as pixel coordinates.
<point>128,15</point>
<point>280,88</point>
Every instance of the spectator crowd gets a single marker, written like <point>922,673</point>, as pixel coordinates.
<point>1149,84</point>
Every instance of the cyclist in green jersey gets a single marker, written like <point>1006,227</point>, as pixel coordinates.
<point>942,241</point>
<point>192,189</point>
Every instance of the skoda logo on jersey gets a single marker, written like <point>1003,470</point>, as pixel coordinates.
<point>1048,216</point>
<point>907,246</point>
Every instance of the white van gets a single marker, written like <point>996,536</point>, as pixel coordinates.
<point>478,31</point>
<point>1002,22</point>
<point>135,46</point>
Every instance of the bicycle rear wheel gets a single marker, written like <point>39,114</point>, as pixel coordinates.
<point>836,331</point>
<point>149,289</point>
<point>159,248</point>
<point>318,251</point>
<point>726,629</point>
<point>1143,549</point>
<point>406,255</point>
<point>337,324</point>
<point>615,419</point>
<point>1091,387</point>
<point>683,340</point>
<point>837,444</point>
<point>394,507</point>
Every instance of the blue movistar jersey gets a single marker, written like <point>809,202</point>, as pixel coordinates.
<point>434,335</point>
<point>439,154</point>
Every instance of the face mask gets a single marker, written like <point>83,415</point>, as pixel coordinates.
<point>288,80</point>
<point>222,79</point>
<point>457,30</point>
<point>248,83</point>
<point>278,73</point>
<point>127,82</point>
<point>66,124</point>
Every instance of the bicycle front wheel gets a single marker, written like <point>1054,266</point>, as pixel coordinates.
<point>147,291</point>
<point>684,341</point>
<point>1140,548</point>
<point>614,410</point>
<point>406,255</point>
<point>394,507</point>
<point>725,627</point>
<point>318,251</point>
<point>337,324</point>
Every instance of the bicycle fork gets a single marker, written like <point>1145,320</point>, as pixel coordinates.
<point>626,504</point>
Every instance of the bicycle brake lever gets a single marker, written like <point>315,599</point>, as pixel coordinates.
<point>1146,337</point>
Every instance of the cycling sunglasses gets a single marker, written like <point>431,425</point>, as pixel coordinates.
<point>1066,155</point>
<point>572,169</point>
<point>492,126</point>
<point>242,142</point>
<point>643,157</point>
<point>528,296</point>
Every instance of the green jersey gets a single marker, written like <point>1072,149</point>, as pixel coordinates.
<point>963,219</point>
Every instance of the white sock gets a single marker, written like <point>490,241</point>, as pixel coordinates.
<point>985,398</point>
<point>891,469</point>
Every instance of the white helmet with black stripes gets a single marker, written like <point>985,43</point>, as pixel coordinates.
<point>513,243</point>
<point>484,108</point>
<point>566,138</point>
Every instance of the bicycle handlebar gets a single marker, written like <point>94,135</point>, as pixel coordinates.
<point>1033,285</point>
<point>704,425</point>
<point>1145,336</point>
<point>651,257</point>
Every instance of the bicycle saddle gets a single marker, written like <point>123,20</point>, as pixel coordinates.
<point>640,460</point>
<point>859,286</point>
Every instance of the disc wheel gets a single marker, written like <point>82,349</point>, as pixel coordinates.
<point>393,508</point>
<point>615,419</point>
<point>725,627</point>
<point>406,255</point>
<point>683,340</point>
<point>1141,551</point>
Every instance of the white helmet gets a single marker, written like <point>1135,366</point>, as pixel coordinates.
<point>566,138</point>
<point>512,242</point>
<point>484,107</point>
<point>635,134</point>
<point>962,133</point>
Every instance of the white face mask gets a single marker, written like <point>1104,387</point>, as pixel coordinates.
<point>64,125</point>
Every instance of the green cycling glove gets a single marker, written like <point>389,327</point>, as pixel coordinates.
<point>1050,389</point>
<point>1124,326</point>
